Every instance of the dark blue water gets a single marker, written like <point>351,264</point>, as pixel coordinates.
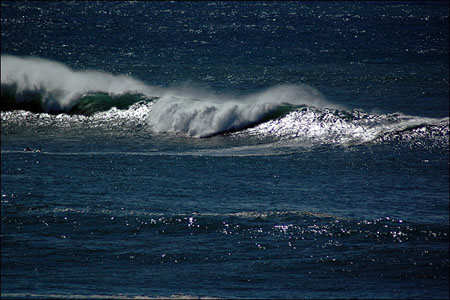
<point>224,149</point>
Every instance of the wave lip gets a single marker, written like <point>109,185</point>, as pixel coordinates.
<point>221,114</point>
<point>42,93</point>
<point>49,86</point>
<point>44,86</point>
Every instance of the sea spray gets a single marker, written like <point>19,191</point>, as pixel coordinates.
<point>286,111</point>
<point>219,114</point>
<point>52,87</point>
<point>57,86</point>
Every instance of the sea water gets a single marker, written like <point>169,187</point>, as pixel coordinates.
<point>224,149</point>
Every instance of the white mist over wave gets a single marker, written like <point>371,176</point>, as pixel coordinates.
<point>61,86</point>
<point>194,112</point>
<point>181,110</point>
<point>217,114</point>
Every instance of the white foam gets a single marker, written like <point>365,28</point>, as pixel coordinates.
<point>324,126</point>
<point>182,110</point>
<point>214,114</point>
<point>60,85</point>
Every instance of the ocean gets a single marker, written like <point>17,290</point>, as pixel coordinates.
<point>224,149</point>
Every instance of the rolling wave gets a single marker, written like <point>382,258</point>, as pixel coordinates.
<point>284,126</point>
<point>344,127</point>
<point>85,104</point>
<point>44,86</point>
<point>50,86</point>
<point>42,94</point>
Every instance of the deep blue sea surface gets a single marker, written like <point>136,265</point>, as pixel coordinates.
<point>224,149</point>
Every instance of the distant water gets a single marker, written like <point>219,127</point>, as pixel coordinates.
<point>224,149</point>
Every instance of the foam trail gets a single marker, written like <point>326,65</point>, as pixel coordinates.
<point>61,86</point>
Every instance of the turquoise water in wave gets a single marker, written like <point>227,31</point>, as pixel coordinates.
<point>224,149</point>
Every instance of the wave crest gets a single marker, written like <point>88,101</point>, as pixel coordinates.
<point>54,87</point>
<point>32,88</point>
<point>309,125</point>
<point>204,118</point>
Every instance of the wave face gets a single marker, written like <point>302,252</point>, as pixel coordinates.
<point>45,94</point>
<point>55,87</point>
<point>196,117</point>
<point>43,86</point>
<point>333,126</point>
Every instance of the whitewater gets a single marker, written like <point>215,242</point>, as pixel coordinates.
<point>286,111</point>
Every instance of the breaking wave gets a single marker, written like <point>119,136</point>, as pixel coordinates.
<point>43,86</point>
<point>52,87</point>
<point>42,94</point>
<point>333,126</point>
